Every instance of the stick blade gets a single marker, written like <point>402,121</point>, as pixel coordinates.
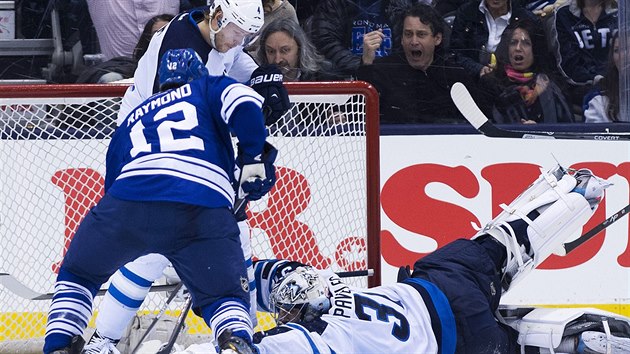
<point>19,289</point>
<point>467,106</point>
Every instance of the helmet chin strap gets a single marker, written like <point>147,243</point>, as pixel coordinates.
<point>212,35</point>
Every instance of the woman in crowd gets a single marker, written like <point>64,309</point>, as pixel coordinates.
<point>602,103</point>
<point>521,88</point>
<point>119,68</point>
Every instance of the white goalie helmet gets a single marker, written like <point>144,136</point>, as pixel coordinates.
<point>301,295</point>
<point>248,15</point>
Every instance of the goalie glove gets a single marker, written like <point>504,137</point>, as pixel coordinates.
<point>267,82</point>
<point>256,175</point>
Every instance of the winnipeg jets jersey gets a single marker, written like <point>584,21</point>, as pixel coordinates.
<point>182,32</point>
<point>385,319</point>
<point>176,146</point>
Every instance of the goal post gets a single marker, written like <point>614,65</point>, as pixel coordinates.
<point>324,209</point>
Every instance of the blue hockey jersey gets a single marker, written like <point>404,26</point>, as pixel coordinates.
<point>176,146</point>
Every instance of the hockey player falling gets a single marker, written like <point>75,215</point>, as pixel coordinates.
<point>448,303</point>
<point>171,168</point>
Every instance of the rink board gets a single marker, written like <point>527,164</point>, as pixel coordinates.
<point>451,181</point>
<point>440,184</point>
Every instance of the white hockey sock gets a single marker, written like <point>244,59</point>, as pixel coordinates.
<point>247,253</point>
<point>121,303</point>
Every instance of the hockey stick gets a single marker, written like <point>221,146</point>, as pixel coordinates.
<point>179,325</point>
<point>356,273</point>
<point>18,288</point>
<point>469,109</point>
<point>157,318</point>
<point>570,246</point>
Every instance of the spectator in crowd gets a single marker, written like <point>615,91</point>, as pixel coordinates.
<point>601,105</point>
<point>477,30</point>
<point>338,27</point>
<point>119,68</point>
<point>284,43</point>
<point>274,10</point>
<point>521,86</point>
<point>582,33</point>
<point>414,84</point>
<point>119,23</point>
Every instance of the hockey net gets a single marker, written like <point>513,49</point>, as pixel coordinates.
<point>322,211</point>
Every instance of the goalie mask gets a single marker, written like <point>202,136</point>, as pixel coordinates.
<point>247,15</point>
<point>300,296</point>
<point>179,67</point>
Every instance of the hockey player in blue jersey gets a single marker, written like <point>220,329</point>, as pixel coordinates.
<point>448,303</point>
<point>169,190</point>
<point>217,33</point>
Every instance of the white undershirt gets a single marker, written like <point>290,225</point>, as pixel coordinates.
<point>496,26</point>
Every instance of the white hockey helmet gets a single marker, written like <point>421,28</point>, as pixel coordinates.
<point>301,295</point>
<point>248,15</point>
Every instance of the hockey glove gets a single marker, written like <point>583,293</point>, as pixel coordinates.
<point>257,175</point>
<point>267,81</point>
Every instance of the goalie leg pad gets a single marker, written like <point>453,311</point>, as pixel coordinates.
<point>560,213</point>
<point>556,223</point>
<point>569,330</point>
<point>524,203</point>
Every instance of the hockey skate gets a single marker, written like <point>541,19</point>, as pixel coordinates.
<point>100,345</point>
<point>592,342</point>
<point>543,217</point>
<point>230,344</point>
<point>76,345</point>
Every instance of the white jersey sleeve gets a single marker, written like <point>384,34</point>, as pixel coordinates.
<point>234,63</point>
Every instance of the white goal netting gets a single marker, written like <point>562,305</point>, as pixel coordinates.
<point>323,209</point>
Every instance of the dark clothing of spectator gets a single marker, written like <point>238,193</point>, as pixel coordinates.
<point>123,65</point>
<point>444,7</point>
<point>408,95</point>
<point>470,33</point>
<point>582,45</point>
<point>338,27</point>
<point>517,100</point>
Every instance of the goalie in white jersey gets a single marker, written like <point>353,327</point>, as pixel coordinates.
<point>169,190</point>
<point>448,303</point>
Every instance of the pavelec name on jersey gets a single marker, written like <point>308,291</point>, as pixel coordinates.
<point>182,91</point>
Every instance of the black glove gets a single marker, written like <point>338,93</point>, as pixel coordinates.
<point>267,81</point>
<point>257,174</point>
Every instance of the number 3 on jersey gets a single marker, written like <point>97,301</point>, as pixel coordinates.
<point>165,138</point>
<point>383,313</point>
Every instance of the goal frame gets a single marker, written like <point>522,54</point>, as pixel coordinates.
<point>372,167</point>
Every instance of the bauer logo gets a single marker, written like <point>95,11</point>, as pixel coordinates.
<point>266,78</point>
